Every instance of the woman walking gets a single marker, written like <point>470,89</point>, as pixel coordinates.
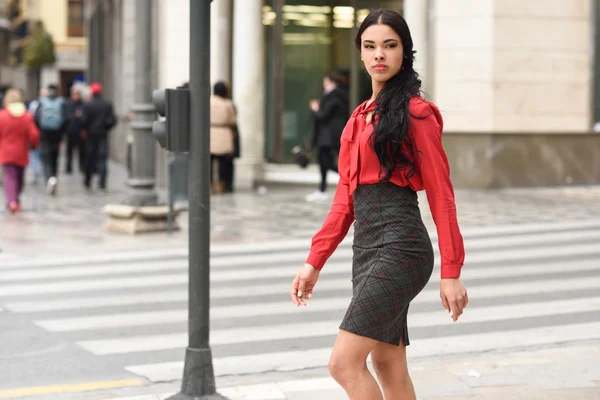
<point>222,125</point>
<point>18,134</point>
<point>390,149</point>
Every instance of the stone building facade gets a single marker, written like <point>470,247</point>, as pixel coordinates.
<point>516,81</point>
<point>65,21</point>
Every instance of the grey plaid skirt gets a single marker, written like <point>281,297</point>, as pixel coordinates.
<point>392,262</point>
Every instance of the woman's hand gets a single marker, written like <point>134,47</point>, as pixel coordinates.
<point>303,284</point>
<point>454,296</point>
<point>314,105</point>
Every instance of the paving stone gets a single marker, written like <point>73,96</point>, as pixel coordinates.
<point>264,391</point>
<point>474,397</point>
<point>335,394</point>
<point>439,382</point>
<point>517,392</point>
<point>573,394</point>
<point>534,393</point>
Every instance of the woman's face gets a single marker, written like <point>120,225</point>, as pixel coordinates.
<point>381,52</point>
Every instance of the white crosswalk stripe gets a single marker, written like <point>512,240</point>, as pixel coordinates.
<point>289,331</point>
<point>529,285</point>
<point>159,280</point>
<point>222,276</point>
<point>271,307</point>
<point>332,304</point>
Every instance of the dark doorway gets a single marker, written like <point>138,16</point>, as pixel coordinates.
<point>68,79</point>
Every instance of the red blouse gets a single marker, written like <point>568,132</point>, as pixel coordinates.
<point>432,174</point>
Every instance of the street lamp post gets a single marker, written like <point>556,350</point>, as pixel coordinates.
<point>198,374</point>
<point>142,174</point>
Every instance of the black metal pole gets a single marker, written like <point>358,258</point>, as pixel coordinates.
<point>198,374</point>
<point>199,171</point>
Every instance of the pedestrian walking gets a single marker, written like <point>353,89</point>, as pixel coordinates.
<point>35,162</point>
<point>229,163</point>
<point>390,148</point>
<point>75,141</point>
<point>222,131</point>
<point>18,134</point>
<point>51,118</point>
<point>330,115</point>
<point>97,121</point>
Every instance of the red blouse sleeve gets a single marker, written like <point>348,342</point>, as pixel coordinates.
<point>334,229</point>
<point>435,172</point>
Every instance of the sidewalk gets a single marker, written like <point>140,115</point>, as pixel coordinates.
<point>566,372</point>
<point>73,219</point>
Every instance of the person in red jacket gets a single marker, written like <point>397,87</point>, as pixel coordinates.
<point>18,134</point>
<point>390,148</point>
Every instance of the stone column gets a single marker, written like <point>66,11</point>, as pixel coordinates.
<point>108,43</point>
<point>115,63</point>
<point>122,137</point>
<point>416,13</point>
<point>173,43</point>
<point>249,89</point>
<point>464,63</point>
<point>89,10</point>
<point>94,42</point>
<point>220,41</point>
<point>143,169</point>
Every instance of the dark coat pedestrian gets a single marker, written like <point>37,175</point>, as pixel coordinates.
<point>98,120</point>
<point>330,116</point>
<point>330,119</point>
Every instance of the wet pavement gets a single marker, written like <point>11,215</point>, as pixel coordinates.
<point>74,218</point>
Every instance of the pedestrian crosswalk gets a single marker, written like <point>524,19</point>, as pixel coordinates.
<point>529,285</point>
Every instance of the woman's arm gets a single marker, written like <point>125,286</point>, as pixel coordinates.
<point>335,227</point>
<point>435,172</point>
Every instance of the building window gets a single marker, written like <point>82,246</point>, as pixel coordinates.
<point>76,19</point>
<point>13,9</point>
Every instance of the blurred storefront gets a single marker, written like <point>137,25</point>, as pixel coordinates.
<point>310,39</point>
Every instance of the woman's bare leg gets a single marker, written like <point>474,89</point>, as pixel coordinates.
<point>389,363</point>
<point>348,366</point>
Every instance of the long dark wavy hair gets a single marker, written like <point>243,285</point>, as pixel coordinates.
<point>390,135</point>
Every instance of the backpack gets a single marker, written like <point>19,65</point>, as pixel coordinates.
<point>51,114</point>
